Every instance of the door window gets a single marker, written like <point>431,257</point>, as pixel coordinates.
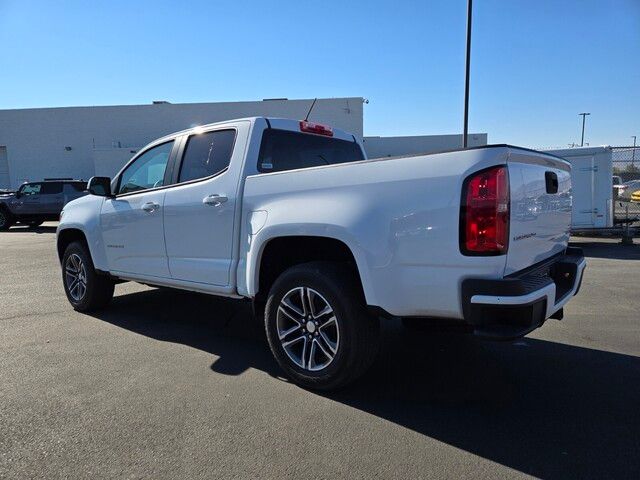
<point>51,188</point>
<point>31,189</point>
<point>207,154</point>
<point>147,171</point>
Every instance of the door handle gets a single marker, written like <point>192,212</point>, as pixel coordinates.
<point>150,207</point>
<point>214,200</point>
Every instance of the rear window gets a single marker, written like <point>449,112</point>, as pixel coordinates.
<point>284,150</point>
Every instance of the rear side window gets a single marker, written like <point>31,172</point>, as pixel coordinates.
<point>206,154</point>
<point>284,150</point>
<point>51,188</point>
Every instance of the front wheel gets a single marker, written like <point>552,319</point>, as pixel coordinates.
<point>317,325</point>
<point>5,219</point>
<point>85,289</point>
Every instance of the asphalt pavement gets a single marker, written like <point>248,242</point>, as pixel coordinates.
<point>169,384</point>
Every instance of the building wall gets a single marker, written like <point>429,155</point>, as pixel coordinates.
<point>377,147</point>
<point>35,139</point>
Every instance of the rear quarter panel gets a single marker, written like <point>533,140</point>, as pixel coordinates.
<point>399,217</point>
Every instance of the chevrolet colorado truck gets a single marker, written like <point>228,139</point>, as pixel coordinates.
<point>325,243</point>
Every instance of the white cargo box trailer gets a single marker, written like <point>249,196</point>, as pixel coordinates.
<point>592,186</point>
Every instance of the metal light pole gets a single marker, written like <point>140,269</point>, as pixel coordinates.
<point>584,116</point>
<point>633,152</point>
<point>466,84</point>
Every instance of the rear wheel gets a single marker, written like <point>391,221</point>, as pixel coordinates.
<point>317,326</point>
<point>5,219</point>
<point>85,289</point>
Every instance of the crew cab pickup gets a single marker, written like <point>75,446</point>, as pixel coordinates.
<point>325,243</point>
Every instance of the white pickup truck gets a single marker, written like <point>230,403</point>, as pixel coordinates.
<point>291,215</point>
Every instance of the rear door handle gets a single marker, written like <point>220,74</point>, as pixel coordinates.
<point>150,207</point>
<point>214,200</point>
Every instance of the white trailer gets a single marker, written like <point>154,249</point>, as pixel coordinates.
<point>592,186</point>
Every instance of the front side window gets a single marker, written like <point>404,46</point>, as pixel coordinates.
<point>31,189</point>
<point>285,150</point>
<point>207,154</point>
<point>147,171</point>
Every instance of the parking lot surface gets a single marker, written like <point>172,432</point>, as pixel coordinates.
<point>168,384</point>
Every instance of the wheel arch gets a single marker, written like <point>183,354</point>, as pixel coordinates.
<point>66,237</point>
<point>282,252</point>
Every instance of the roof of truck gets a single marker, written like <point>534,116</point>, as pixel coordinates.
<point>272,122</point>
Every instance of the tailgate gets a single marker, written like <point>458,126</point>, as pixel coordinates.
<point>540,208</point>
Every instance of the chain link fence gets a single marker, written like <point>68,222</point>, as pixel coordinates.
<point>626,174</point>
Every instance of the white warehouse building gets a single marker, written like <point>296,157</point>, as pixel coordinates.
<point>79,142</point>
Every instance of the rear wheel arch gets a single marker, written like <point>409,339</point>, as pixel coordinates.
<point>280,253</point>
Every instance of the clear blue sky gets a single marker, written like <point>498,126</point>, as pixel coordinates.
<point>536,63</point>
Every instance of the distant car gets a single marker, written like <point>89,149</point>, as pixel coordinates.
<point>635,196</point>
<point>627,189</point>
<point>37,202</point>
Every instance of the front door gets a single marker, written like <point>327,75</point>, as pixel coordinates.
<point>132,222</point>
<point>29,201</point>
<point>199,210</point>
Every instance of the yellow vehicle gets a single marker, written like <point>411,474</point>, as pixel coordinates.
<point>635,196</point>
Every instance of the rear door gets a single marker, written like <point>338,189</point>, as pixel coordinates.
<point>200,210</point>
<point>52,199</point>
<point>583,173</point>
<point>540,219</point>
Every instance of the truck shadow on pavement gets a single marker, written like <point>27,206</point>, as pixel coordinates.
<point>543,408</point>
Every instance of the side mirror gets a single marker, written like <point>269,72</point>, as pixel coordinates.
<point>100,186</point>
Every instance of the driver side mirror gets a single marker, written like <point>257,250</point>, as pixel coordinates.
<point>100,186</point>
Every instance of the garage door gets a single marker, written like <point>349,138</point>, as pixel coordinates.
<point>4,168</point>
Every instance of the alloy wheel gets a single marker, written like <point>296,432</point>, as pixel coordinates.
<point>76,277</point>
<point>308,329</point>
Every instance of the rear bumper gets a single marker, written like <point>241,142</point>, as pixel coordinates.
<point>515,305</point>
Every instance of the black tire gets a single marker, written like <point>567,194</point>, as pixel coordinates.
<point>336,285</point>
<point>6,220</point>
<point>98,289</point>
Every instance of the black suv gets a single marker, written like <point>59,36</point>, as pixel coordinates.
<point>37,202</point>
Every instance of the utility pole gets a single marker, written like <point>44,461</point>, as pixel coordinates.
<point>466,84</point>
<point>584,116</point>
<point>633,152</point>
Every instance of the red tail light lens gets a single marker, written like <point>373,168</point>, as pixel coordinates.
<point>318,129</point>
<point>484,215</point>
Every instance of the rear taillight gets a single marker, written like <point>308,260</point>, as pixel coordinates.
<point>484,214</point>
<point>318,129</point>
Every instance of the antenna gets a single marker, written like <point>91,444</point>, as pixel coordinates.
<point>311,108</point>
